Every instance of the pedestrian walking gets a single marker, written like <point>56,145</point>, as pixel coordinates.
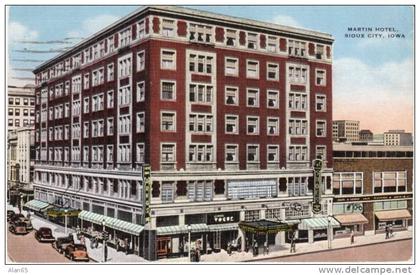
<point>265,248</point>
<point>391,232</point>
<point>255,248</point>
<point>386,232</point>
<point>352,237</point>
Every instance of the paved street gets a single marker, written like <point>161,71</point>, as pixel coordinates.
<point>26,249</point>
<point>391,251</point>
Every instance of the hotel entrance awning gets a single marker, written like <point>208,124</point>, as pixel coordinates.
<point>117,224</point>
<point>390,215</point>
<point>347,219</point>
<point>36,205</point>
<point>318,223</point>
<point>263,226</point>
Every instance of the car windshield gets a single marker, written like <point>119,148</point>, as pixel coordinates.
<point>45,230</point>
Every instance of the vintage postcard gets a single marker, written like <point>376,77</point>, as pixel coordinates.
<point>197,135</point>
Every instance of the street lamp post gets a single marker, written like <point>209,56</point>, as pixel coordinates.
<point>329,235</point>
<point>65,221</point>
<point>189,242</point>
<point>20,203</point>
<point>103,240</point>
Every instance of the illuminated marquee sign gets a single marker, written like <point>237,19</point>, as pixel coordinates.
<point>316,202</point>
<point>147,183</point>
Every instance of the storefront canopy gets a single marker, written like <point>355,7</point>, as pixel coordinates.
<point>263,226</point>
<point>36,205</point>
<point>355,218</point>
<point>391,215</point>
<point>56,212</point>
<point>223,227</point>
<point>318,223</point>
<point>181,229</point>
<point>120,225</point>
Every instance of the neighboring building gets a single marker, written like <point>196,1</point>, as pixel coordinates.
<point>372,187</point>
<point>21,156</point>
<point>345,130</point>
<point>228,112</point>
<point>365,135</point>
<point>398,138</point>
<point>21,107</point>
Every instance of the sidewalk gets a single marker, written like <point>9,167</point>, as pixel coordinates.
<point>301,248</point>
<point>96,254</point>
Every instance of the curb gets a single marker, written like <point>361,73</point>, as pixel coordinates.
<point>323,250</point>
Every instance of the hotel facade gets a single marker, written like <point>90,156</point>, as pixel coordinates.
<point>228,113</point>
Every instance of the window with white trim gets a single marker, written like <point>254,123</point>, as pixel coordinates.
<point>200,190</point>
<point>272,99</point>
<point>298,74</point>
<point>321,152</point>
<point>124,95</point>
<point>272,71</point>
<point>200,33</point>
<point>110,72</point>
<point>231,153</point>
<point>110,126</point>
<point>167,121</point>
<point>86,81</point>
<point>272,126</point>
<point>109,153</point>
<point>86,154</point>
<point>201,93</point>
<point>389,181</point>
<point>141,56</point>
<point>141,29</point>
<point>272,44</point>
<point>124,125</point>
<point>321,103</point>
<point>252,41</point>
<point>168,27</point>
<point>252,69</point>
<point>167,189</point>
<point>297,48</point>
<point>125,37</point>
<point>298,127</point>
<point>231,124</point>
<point>124,153</point>
<point>231,38</point>
<point>231,95</point>
<point>298,153</point>
<point>200,123</point>
<point>253,125</point>
<point>97,77</point>
<point>86,105</point>
<point>140,91</point>
<point>167,152</point>
<point>253,152</point>
<point>272,153</point>
<point>75,131</point>
<point>110,99</point>
<point>297,186</point>
<point>124,66</point>
<point>321,128</point>
<point>200,63</point>
<point>168,59</point>
<point>298,101</point>
<point>200,153</point>
<point>231,66</point>
<point>66,132</point>
<point>253,97</point>
<point>321,77</point>
<point>140,152</point>
<point>140,122</point>
<point>347,183</point>
<point>168,91</point>
<point>97,102</point>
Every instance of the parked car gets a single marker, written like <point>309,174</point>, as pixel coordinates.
<point>10,214</point>
<point>18,228</point>
<point>76,252</point>
<point>60,244</point>
<point>22,218</point>
<point>44,234</point>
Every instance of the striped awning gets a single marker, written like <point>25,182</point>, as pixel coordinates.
<point>318,223</point>
<point>117,224</point>
<point>36,205</point>
<point>223,227</point>
<point>182,229</point>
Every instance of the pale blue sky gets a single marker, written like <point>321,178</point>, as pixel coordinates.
<point>370,63</point>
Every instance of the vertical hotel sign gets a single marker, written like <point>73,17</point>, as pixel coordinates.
<point>147,183</point>
<point>316,203</point>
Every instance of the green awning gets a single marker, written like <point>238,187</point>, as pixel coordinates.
<point>223,227</point>
<point>182,229</point>
<point>36,205</point>
<point>318,223</point>
<point>117,224</point>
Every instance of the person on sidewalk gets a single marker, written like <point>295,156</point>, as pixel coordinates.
<point>265,248</point>
<point>391,232</point>
<point>386,232</point>
<point>352,237</point>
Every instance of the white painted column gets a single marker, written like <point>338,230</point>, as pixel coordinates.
<point>310,236</point>
<point>182,219</point>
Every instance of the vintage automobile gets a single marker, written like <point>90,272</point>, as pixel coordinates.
<point>18,228</point>
<point>10,214</point>
<point>76,252</point>
<point>44,234</point>
<point>61,243</point>
<point>22,218</point>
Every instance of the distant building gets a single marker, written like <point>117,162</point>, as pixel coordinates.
<point>21,107</point>
<point>398,138</point>
<point>378,139</point>
<point>365,135</point>
<point>346,130</point>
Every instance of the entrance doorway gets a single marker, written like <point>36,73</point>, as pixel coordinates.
<point>163,246</point>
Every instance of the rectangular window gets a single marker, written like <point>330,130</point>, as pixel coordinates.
<point>298,74</point>
<point>297,48</point>
<point>86,105</point>
<point>252,41</point>
<point>140,152</point>
<point>86,81</point>
<point>168,60</point>
<point>110,99</point>
<point>231,153</point>
<point>110,72</point>
<point>200,33</point>
<point>167,90</point>
<point>231,37</point>
<point>202,64</point>
<point>321,77</point>
<point>140,61</point>
<point>321,152</point>
<point>125,37</point>
<point>98,77</point>
<point>140,122</point>
<point>124,66</point>
<point>141,29</point>
<point>168,122</point>
<point>231,96</point>
<point>253,153</point>
<point>272,71</point>
<point>272,44</point>
<point>110,126</point>
<point>272,99</point>
<point>86,129</point>
<point>168,153</point>
<point>109,153</point>
<point>347,183</point>
<point>252,69</point>
<point>168,28</point>
<point>201,93</point>
<point>251,189</point>
<point>298,101</point>
<point>167,192</point>
<point>253,125</point>
<point>298,153</point>
<point>272,153</point>
<point>124,95</point>
<point>253,98</point>
<point>231,124</point>
<point>272,126</point>
<point>141,91</point>
<point>231,66</point>
<point>321,103</point>
<point>321,128</point>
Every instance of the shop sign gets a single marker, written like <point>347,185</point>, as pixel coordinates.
<point>373,198</point>
<point>147,183</point>
<point>226,217</point>
<point>316,202</point>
